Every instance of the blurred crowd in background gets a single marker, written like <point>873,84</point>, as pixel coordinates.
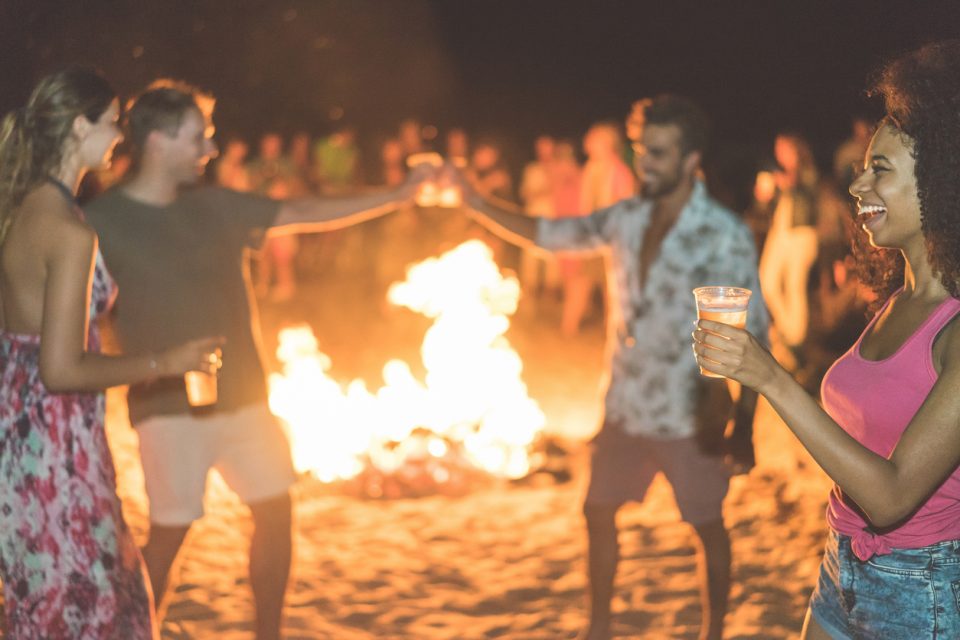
<point>798,210</point>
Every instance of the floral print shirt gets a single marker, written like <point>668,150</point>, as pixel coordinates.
<point>653,375</point>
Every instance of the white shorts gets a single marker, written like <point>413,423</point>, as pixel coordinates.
<point>247,446</point>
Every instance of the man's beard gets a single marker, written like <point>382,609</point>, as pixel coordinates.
<point>663,186</point>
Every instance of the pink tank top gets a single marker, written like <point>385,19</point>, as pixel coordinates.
<point>874,402</point>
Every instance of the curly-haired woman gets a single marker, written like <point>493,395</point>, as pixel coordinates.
<point>69,566</point>
<point>889,430</point>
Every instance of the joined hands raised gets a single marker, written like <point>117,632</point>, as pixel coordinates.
<point>435,182</point>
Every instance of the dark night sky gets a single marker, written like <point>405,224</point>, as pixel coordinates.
<point>510,67</point>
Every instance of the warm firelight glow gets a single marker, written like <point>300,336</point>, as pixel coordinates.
<point>472,408</point>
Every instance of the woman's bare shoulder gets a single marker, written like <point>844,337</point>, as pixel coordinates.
<point>946,348</point>
<point>45,208</point>
<point>48,224</point>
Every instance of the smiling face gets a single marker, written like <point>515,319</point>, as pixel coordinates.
<point>888,206</point>
<point>660,162</point>
<point>100,137</point>
<point>186,154</point>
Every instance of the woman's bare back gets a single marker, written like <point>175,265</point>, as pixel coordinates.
<point>39,229</point>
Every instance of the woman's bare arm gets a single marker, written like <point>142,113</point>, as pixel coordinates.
<point>65,364</point>
<point>886,489</point>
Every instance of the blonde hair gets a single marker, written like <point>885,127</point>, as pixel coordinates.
<point>33,138</point>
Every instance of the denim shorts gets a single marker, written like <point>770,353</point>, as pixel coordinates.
<point>911,594</point>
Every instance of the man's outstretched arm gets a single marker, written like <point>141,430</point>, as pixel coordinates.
<point>317,214</point>
<point>502,218</point>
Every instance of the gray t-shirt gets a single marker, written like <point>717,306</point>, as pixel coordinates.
<point>181,270</point>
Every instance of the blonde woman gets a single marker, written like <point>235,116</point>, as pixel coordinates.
<point>69,566</point>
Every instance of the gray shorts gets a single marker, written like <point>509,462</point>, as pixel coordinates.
<point>248,447</point>
<point>622,467</point>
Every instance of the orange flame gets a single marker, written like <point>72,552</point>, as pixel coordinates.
<point>472,396</point>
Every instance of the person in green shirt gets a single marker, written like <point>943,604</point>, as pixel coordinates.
<point>337,160</point>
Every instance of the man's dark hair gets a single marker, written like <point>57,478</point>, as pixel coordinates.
<point>667,109</point>
<point>161,107</point>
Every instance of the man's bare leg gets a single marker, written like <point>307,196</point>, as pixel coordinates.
<point>715,577</point>
<point>159,556</point>
<point>271,550</point>
<point>603,554</point>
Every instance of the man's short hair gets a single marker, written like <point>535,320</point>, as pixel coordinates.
<point>161,107</point>
<point>667,109</point>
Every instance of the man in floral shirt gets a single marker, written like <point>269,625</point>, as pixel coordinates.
<point>661,415</point>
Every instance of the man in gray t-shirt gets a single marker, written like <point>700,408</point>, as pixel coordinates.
<point>181,271</point>
<point>177,254</point>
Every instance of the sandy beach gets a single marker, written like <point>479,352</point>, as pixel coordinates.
<point>503,562</point>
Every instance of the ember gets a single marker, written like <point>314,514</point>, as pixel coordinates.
<point>471,417</point>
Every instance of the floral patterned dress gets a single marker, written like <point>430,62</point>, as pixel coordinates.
<point>69,566</point>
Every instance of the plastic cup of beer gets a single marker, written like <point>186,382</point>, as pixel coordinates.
<point>722,304</point>
<point>201,388</point>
